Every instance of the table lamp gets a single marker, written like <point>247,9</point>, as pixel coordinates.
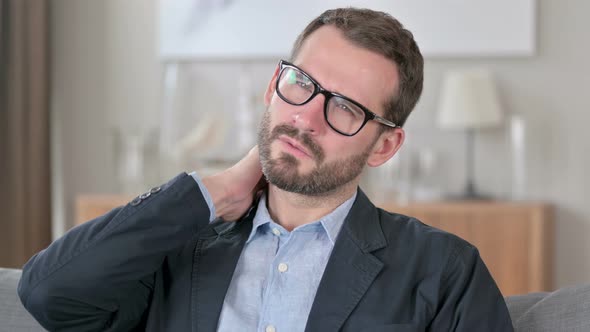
<point>469,101</point>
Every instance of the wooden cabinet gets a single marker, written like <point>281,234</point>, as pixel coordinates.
<point>91,206</point>
<point>515,240</point>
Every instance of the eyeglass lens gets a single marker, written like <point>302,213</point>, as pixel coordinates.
<point>295,87</point>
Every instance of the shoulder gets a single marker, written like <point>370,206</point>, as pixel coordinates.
<point>407,234</point>
<point>395,225</point>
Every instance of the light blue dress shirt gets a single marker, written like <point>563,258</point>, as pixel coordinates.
<point>278,273</point>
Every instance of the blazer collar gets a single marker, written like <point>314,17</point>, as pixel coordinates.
<point>211,275</point>
<point>351,268</point>
<point>349,272</point>
<point>363,226</point>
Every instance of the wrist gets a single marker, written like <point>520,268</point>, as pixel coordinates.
<point>218,192</point>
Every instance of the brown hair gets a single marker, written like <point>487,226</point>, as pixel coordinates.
<point>381,33</point>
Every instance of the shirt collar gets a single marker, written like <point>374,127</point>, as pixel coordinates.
<point>331,223</point>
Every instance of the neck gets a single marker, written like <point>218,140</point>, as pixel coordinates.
<point>291,210</point>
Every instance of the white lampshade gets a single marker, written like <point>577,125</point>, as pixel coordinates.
<point>469,100</point>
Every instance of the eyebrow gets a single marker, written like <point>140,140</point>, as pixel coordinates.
<point>336,91</point>
<point>330,90</point>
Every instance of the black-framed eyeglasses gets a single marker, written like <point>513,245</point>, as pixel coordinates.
<point>344,115</point>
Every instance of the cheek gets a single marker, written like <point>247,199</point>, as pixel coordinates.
<point>335,148</point>
<point>339,148</point>
<point>278,113</point>
<point>270,120</point>
<point>274,120</point>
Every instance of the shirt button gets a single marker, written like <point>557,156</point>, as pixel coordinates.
<point>270,328</point>
<point>276,232</point>
<point>283,267</point>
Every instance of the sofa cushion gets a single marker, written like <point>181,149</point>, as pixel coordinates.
<point>566,309</point>
<point>13,316</point>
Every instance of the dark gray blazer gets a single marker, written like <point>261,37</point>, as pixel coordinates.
<point>157,264</point>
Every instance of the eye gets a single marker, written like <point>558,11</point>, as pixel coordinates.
<point>346,107</point>
<point>295,78</point>
<point>304,83</point>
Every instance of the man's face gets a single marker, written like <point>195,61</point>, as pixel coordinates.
<point>299,151</point>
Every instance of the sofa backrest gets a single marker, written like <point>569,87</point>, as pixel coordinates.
<point>13,316</point>
<point>566,309</point>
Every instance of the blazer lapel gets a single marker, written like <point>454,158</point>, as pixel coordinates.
<point>215,258</point>
<point>351,268</point>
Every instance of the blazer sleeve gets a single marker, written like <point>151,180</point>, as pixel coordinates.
<point>469,298</point>
<point>99,276</point>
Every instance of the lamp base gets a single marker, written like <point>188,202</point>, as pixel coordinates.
<point>469,197</point>
<point>470,194</point>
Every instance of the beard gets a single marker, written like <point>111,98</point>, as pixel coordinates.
<point>323,179</point>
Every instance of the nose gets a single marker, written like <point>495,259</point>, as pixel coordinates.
<point>310,117</point>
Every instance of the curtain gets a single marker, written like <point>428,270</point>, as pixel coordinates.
<point>25,202</point>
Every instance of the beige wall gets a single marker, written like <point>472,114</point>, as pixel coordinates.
<point>106,73</point>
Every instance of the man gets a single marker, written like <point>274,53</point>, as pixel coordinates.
<point>312,253</point>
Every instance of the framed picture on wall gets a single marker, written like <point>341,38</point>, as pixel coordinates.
<point>242,29</point>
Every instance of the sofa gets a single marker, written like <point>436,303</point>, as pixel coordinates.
<point>13,316</point>
<point>566,309</point>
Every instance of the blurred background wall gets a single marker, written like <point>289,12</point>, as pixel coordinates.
<point>106,74</point>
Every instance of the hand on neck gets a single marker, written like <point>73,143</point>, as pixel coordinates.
<point>291,210</point>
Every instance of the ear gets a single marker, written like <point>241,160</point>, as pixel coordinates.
<point>270,89</point>
<point>387,145</point>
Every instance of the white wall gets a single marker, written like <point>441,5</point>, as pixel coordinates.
<point>550,91</point>
<point>105,72</point>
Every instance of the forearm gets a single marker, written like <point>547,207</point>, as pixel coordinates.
<point>95,267</point>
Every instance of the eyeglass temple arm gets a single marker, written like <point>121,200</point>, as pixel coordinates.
<point>384,121</point>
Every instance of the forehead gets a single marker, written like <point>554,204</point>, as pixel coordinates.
<point>341,66</point>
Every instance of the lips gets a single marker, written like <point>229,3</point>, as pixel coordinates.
<point>294,144</point>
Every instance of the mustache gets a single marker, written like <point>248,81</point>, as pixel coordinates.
<point>304,138</point>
